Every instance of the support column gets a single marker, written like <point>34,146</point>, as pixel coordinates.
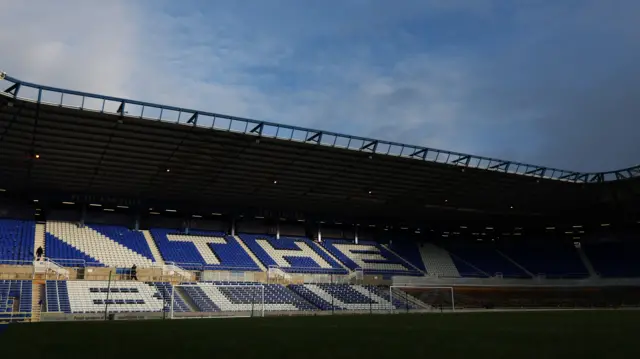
<point>136,224</point>
<point>233,226</point>
<point>319,232</point>
<point>278,230</point>
<point>84,215</point>
<point>356,234</point>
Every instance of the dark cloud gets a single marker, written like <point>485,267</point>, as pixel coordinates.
<point>561,90</point>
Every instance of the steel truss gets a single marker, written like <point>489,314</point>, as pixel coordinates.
<point>83,101</point>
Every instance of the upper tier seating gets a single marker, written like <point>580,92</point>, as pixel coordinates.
<point>372,257</point>
<point>69,244</point>
<point>16,241</point>
<point>614,259</point>
<point>471,257</point>
<point>124,297</point>
<point>293,255</point>
<point>244,296</point>
<point>438,261</point>
<point>345,296</point>
<point>15,299</point>
<point>410,252</point>
<point>554,260</point>
<point>131,239</point>
<point>202,249</point>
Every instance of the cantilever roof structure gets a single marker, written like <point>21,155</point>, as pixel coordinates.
<point>100,144</point>
<point>137,109</point>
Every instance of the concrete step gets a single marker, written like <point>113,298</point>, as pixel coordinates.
<point>38,240</point>
<point>154,248</point>
<point>250,253</point>
<point>37,295</point>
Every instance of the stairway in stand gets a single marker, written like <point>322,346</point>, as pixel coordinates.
<point>39,238</point>
<point>157,257</point>
<point>36,308</point>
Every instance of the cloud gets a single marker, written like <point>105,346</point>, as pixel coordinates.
<point>545,82</point>
<point>73,43</point>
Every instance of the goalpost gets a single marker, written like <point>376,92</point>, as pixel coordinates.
<point>428,298</point>
<point>218,300</point>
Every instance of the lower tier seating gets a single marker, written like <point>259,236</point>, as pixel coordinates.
<point>244,296</point>
<point>344,296</point>
<point>130,296</point>
<point>117,297</point>
<point>15,299</point>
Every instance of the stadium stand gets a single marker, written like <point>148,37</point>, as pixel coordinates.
<point>208,168</point>
<point>69,241</point>
<point>294,255</point>
<point>553,260</point>
<point>409,252</point>
<point>131,239</point>
<point>244,296</point>
<point>165,293</point>
<point>57,296</point>
<point>438,261</point>
<point>123,297</point>
<point>16,240</point>
<point>201,300</point>
<point>476,259</point>
<point>372,257</point>
<point>202,249</point>
<point>614,259</point>
<point>15,299</point>
<point>344,296</point>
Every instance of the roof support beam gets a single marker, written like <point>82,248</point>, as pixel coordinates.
<point>573,176</point>
<point>537,171</point>
<point>372,146</point>
<point>121,108</point>
<point>13,89</point>
<point>193,119</point>
<point>501,166</point>
<point>258,128</point>
<point>461,159</point>
<point>621,175</point>
<point>581,177</point>
<point>316,137</point>
<point>422,153</point>
<point>596,177</point>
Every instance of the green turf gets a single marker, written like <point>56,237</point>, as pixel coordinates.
<point>567,335</point>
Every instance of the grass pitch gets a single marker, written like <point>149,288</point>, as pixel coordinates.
<point>567,335</point>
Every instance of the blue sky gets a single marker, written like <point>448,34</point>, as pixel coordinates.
<point>547,82</point>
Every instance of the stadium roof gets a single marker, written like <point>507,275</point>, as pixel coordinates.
<point>56,139</point>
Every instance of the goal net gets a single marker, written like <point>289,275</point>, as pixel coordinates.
<point>209,300</point>
<point>422,298</point>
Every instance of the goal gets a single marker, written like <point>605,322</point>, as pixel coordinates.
<point>211,300</point>
<point>422,298</point>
